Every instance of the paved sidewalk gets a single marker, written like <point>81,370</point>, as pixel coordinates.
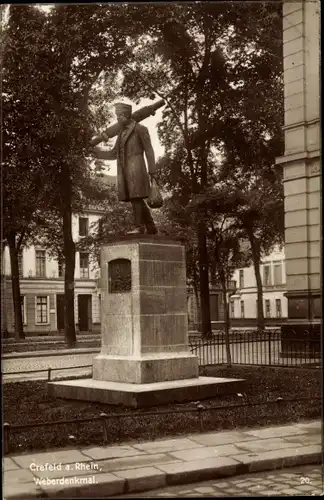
<point>306,480</point>
<point>115,470</point>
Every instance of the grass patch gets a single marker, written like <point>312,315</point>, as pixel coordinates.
<point>28,402</point>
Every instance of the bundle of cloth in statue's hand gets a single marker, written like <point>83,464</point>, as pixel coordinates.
<point>155,199</point>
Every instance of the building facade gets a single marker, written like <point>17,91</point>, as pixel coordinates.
<point>42,287</point>
<point>42,290</point>
<point>301,163</point>
<point>216,305</point>
<point>244,305</point>
<point>243,296</point>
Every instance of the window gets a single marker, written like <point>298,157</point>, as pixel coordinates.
<point>41,310</point>
<point>232,310</point>
<point>20,264</point>
<point>83,226</point>
<point>61,267</point>
<point>278,308</point>
<point>242,309</point>
<point>99,306</point>
<point>23,309</point>
<point>277,273</point>
<point>84,265</point>
<point>267,309</point>
<point>266,275</point>
<point>41,263</point>
<point>241,278</point>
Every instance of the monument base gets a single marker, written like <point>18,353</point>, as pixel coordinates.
<point>161,367</point>
<point>144,359</point>
<point>145,395</point>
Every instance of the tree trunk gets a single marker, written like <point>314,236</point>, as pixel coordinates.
<point>15,284</point>
<point>223,282</point>
<point>197,299</point>
<point>213,272</point>
<point>206,328</point>
<point>256,265</point>
<point>69,258</point>
<point>4,325</point>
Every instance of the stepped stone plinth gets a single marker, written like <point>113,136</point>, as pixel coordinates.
<point>144,358</point>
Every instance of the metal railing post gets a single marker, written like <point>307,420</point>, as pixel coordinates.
<point>200,416</point>
<point>6,437</point>
<point>104,427</point>
<point>119,429</point>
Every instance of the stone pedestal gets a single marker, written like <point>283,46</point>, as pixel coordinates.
<point>301,169</point>
<point>144,358</point>
<point>144,327</point>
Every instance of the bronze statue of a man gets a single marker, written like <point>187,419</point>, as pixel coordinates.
<point>133,183</point>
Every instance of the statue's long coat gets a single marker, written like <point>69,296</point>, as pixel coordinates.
<point>132,177</point>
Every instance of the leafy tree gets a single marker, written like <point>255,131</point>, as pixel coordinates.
<point>94,194</point>
<point>257,206</point>
<point>227,256</point>
<point>252,190</point>
<point>208,63</point>
<point>24,181</point>
<point>195,56</point>
<point>51,65</point>
<point>262,220</point>
<point>180,226</point>
<point>84,44</point>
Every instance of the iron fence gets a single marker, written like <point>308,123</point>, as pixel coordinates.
<point>249,347</point>
<point>252,347</point>
<point>198,408</point>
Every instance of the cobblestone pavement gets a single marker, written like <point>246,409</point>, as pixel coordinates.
<point>297,481</point>
<point>43,363</point>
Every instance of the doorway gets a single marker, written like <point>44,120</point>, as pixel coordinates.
<point>85,312</point>
<point>214,307</point>
<point>60,311</point>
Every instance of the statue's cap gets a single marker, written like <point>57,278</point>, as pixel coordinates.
<point>120,107</point>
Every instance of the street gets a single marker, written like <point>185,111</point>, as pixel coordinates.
<point>261,353</point>
<point>59,363</point>
<point>297,481</point>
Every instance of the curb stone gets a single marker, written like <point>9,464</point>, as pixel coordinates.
<point>41,354</point>
<point>148,478</point>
